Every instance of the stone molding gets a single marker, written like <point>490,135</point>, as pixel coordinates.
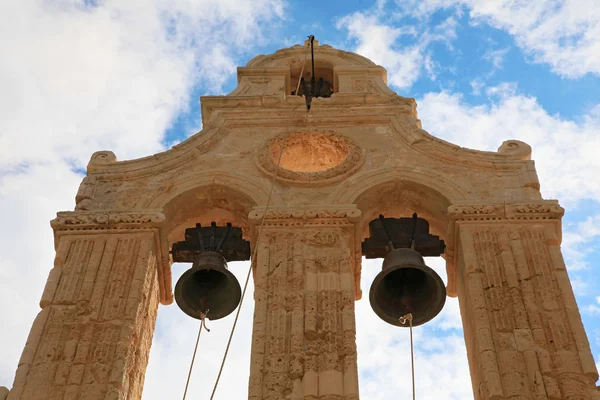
<point>501,213</point>
<point>309,215</point>
<point>353,161</point>
<point>534,210</point>
<point>92,220</point>
<point>322,52</point>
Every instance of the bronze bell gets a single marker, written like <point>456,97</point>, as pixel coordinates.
<point>208,286</point>
<point>406,285</point>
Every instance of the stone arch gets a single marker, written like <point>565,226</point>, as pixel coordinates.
<point>213,196</point>
<point>423,190</point>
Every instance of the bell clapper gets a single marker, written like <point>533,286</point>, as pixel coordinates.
<point>203,320</point>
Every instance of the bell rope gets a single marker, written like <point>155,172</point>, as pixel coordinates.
<point>408,317</point>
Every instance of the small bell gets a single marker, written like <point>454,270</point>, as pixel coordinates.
<point>406,285</point>
<point>208,286</point>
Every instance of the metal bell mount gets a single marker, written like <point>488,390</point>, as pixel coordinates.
<point>405,285</point>
<point>208,287</point>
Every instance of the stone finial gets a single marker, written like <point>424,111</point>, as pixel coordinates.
<point>516,148</point>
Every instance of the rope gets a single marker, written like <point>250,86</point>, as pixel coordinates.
<point>237,314</point>
<point>202,325</point>
<point>303,64</point>
<point>408,317</point>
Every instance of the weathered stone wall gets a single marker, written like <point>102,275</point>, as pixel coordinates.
<point>523,330</point>
<point>304,336</point>
<point>93,336</point>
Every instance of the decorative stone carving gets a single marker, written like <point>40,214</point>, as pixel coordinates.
<point>342,214</point>
<point>475,211</point>
<point>336,157</point>
<point>93,335</point>
<point>544,209</point>
<point>82,220</point>
<point>523,330</point>
<point>304,324</point>
<point>516,148</point>
<point>86,189</point>
<point>103,157</point>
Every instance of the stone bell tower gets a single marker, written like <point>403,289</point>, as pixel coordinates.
<point>359,152</point>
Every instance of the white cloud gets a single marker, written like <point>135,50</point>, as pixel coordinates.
<point>477,84</point>
<point>78,77</point>
<point>496,57</point>
<point>376,40</point>
<point>564,34</point>
<point>593,309</point>
<point>564,150</point>
<point>578,243</point>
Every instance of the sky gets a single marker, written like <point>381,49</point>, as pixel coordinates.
<point>79,76</point>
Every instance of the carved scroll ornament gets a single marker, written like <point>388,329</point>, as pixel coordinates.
<point>84,220</point>
<point>305,216</point>
<point>543,209</point>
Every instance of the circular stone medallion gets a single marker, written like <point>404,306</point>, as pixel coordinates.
<point>310,157</point>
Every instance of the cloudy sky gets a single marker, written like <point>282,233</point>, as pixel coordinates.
<point>78,76</point>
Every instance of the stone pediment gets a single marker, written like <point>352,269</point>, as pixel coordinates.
<point>363,145</point>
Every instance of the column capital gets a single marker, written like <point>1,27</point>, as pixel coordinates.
<point>531,210</point>
<point>509,213</point>
<point>69,223</point>
<point>105,220</point>
<point>306,215</point>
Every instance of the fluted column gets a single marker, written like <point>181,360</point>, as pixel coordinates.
<point>304,335</point>
<point>92,338</point>
<point>523,330</point>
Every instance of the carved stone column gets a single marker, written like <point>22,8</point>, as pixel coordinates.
<point>304,336</point>
<point>524,335</point>
<point>92,338</point>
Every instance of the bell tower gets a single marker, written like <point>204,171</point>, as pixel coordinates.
<point>303,187</point>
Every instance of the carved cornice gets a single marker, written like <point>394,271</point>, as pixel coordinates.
<point>302,216</point>
<point>105,166</point>
<point>92,220</point>
<point>534,210</point>
<point>498,213</point>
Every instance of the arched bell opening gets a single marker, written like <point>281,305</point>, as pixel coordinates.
<point>323,70</point>
<point>201,207</point>
<point>206,204</point>
<point>401,198</point>
<point>400,280</point>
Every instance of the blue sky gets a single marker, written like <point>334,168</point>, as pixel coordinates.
<point>80,76</point>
